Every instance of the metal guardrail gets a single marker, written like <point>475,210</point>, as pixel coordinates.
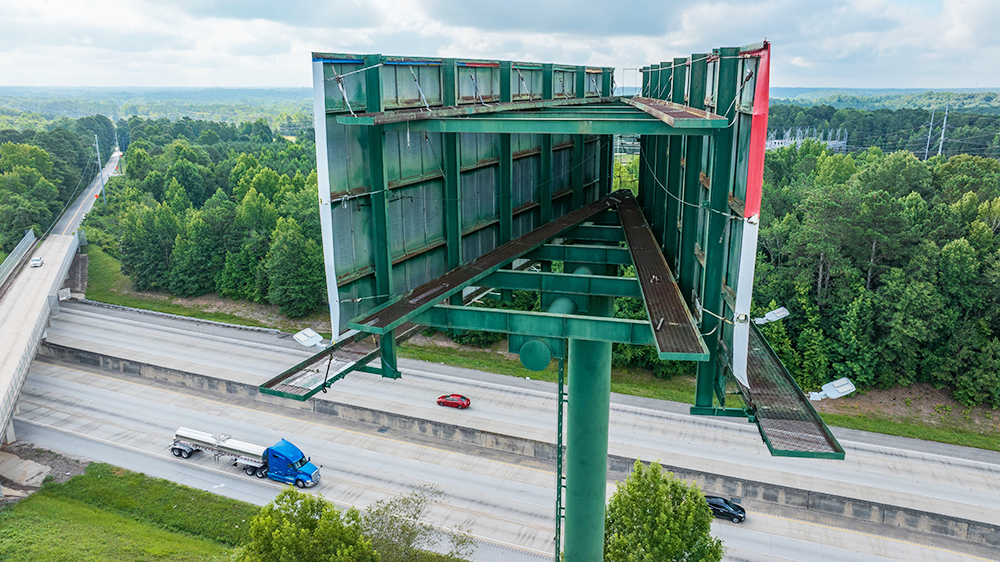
<point>13,391</point>
<point>10,264</point>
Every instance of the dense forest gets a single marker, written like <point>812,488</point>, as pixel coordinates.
<point>214,207</point>
<point>889,265</point>
<point>42,170</point>
<point>892,130</point>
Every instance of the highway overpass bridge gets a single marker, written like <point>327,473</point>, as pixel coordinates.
<point>29,296</point>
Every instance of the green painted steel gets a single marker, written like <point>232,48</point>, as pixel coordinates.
<point>693,147</point>
<point>670,234</point>
<point>597,233</point>
<point>714,244</point>
<point>563,283</point>
<point>587,442</point>
<point>560,478</point>
<point>487,151</point>
<point>541,324</point>
<point>633,125</point>
<point>589,104</point>
<point>580,253</point>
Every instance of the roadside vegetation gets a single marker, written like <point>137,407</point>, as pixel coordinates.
<point>109,513</point>
<point>889,266</point>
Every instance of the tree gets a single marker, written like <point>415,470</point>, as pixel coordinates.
<point>654,516</point>
<point>190,177</point>
<point>859,348</point>
<point>244,274</point>
<point>301,527</point>
<point>295,270</point>
<point>396,531</point>
<point>194,264</point>
<point>898,173</point>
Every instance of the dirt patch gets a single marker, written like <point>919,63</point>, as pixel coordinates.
<point>63,467</point>
<point>434,338</point>
<point>264,314</point>
<point>917,403</point>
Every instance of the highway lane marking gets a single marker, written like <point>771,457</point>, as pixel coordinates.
<point>289,418</point>
<point>871,536</point>
<point>262,483</point>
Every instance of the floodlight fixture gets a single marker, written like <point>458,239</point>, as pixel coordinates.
<point>309,338</point>
<point>774,315</point>
<point>836,389</point>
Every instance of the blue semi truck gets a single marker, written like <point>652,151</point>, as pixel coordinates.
<point>282,461</point>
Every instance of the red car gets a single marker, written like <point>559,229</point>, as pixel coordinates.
<point>454,400</point>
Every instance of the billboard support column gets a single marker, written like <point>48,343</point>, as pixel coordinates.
<point>587,442</point>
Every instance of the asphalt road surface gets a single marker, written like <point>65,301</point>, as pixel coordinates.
<point>506,505</point>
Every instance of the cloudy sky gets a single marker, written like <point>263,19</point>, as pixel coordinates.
<point>267,43</point>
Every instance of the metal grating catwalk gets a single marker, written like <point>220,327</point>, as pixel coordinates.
<point>673,327</point>
<point>387,317</point>
<point>787,421</point>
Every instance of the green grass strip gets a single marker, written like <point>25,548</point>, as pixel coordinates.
<point>951,436</point>
<point>159,502</point>
<point>104,280</point>
<point>45,527</point>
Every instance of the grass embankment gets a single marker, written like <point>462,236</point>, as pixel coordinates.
<point>105,283</point>
<point>110,513</point>
<point>950,435</point>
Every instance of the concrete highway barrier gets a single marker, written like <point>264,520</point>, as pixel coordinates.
<point>849,512</point>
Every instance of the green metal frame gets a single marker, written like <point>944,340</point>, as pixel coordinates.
<point>580,253</point>
<point>495,157</point>
<point>563,283</point>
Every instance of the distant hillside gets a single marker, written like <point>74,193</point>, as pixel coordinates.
<point>287,109</point>
<point>973,100</point>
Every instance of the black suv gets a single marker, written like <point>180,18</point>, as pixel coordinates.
<point>726,509</point>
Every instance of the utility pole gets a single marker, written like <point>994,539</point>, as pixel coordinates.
<point>931,128</point>
<point>943,127</point>
<point>100,167</point>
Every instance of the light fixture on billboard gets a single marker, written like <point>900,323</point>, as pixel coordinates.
<point>835,389</point>
<point>309,338</point>
<point>774,315</point>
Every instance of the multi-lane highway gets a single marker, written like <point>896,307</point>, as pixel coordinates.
<point>506,505</point>
<point>503,500</point>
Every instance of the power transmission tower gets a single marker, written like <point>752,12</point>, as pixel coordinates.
<point>943,127</point>
<point>931,128</point>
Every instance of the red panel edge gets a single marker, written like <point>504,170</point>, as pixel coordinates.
<point>758,132</point>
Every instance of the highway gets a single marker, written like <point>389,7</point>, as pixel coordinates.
<point>649,429</point>
<point>505,501</point>
<point>74,214</point>
<point>506,505</point>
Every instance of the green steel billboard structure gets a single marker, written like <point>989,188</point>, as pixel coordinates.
<point>442,177</point>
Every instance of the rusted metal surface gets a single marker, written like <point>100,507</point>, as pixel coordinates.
<point>309,374</point>
<point>674,114</point>
<point>673,327</point>
<point>427,295</point>
<point>787,420</point>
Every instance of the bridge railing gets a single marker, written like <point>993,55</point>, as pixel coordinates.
<point>10,264</point>
<point>13,391</point>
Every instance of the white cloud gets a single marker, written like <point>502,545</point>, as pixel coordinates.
<point>846,43</point>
